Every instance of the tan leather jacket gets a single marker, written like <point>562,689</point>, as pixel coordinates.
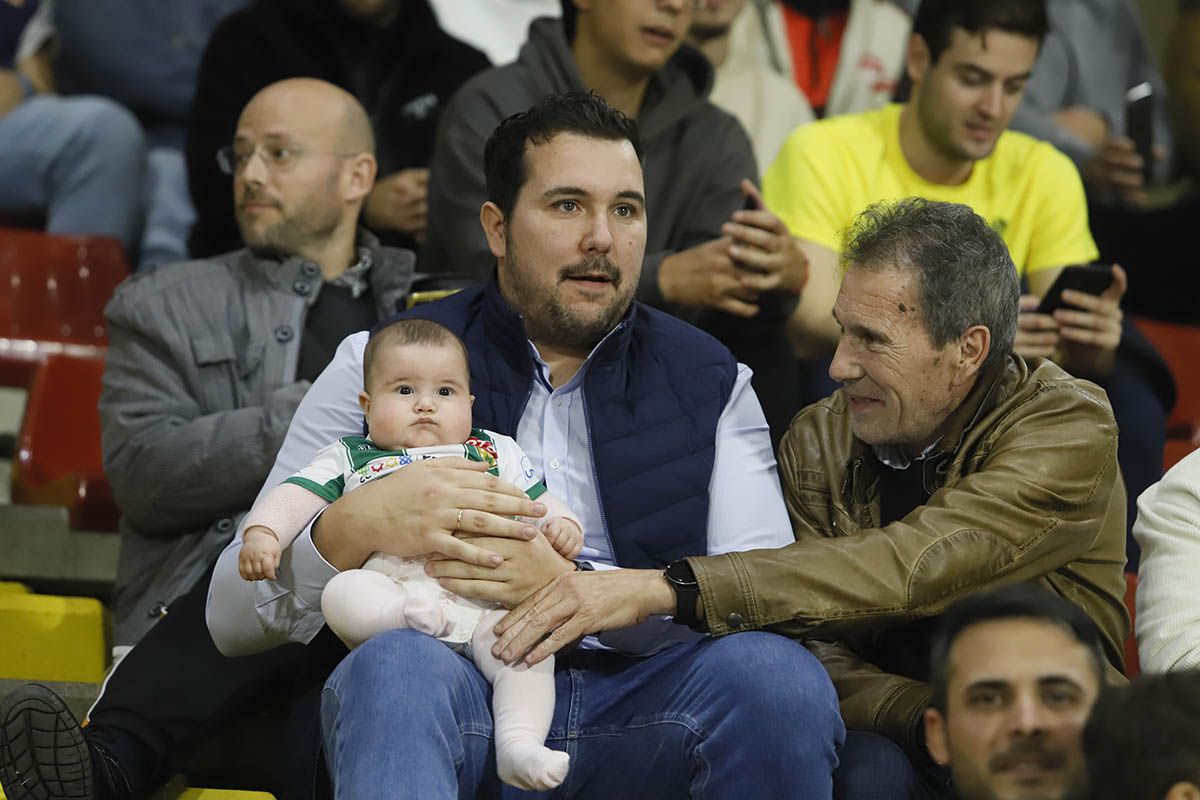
<point>1025,487</point>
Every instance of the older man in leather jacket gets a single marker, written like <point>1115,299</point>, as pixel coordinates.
<point>944,466</point>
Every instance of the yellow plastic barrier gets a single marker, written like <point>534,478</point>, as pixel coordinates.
<point>48,638</point>
<point>223,794</point>
<point>11,587</point>
<point>209,794</point>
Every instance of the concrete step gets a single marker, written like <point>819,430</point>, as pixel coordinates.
<point>38,549</point>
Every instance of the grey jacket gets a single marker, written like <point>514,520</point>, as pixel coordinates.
<point>199,388</point>
<point>695,155</point>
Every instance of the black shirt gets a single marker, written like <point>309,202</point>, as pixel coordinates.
<point>335,315</point>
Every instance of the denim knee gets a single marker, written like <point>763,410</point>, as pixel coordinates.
<point>399,663</point>
<point>107,131</point>
<point>770,677</point>
<point>873,767</point>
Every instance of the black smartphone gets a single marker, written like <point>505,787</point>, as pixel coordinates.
<point>1090,278</point>
<point>1139,124</point>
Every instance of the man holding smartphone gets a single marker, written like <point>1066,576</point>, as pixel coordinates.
<point>1097,95</point>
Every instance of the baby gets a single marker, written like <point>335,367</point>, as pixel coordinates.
<point>417,403</point>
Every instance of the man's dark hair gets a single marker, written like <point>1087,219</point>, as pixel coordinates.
<point>965,275</point>
<point>1019,601</point>
<point>1144,738</point>
<point>402,332</point>
<point>581,113</point>
<point>936,19</point>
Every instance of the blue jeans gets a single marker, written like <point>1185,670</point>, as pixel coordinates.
<point>80,160</point>
<point>169,211</point>
<point>873,767</point>
<point>746,716</point>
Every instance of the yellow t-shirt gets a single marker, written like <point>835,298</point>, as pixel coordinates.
<point>1030,193</point>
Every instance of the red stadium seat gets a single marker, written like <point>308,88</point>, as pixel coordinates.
<point>54,292</point>
<point>1180,348</point>
<point>58,460</point>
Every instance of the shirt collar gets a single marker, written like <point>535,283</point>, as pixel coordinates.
<point>543,368</point>
<point>356,277</point>
<point>893,455</point>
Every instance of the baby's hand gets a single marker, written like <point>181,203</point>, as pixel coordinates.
<point>259,555</point>
<point>565,535</point>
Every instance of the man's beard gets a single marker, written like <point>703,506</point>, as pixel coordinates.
<point>977,784</point>
<point>291,232</point>
<point>547,320</point>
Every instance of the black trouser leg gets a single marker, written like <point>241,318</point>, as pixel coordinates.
<point>174,690</point>
<point>1141,438</point>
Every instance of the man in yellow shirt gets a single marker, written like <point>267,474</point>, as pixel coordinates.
<point>969,63</point>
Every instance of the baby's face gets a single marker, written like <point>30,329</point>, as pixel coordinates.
<point>419,396</point>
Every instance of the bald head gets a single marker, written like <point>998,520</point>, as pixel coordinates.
<point>304,164</point>
<point>318,111</point>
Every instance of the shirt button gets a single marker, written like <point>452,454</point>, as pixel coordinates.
<point>284,333</point>
<point>309,270</point>
<point>302,288</point>
<point>559,402</point>
<point>224,525</point>
<point>554,464</point>
<point>734,620</point>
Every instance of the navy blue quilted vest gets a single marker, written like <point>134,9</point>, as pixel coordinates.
<point>652,396</point>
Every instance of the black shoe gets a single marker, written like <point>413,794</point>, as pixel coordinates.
<point>43,755</point>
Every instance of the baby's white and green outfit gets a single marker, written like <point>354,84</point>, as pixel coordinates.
<point>354,460</point>
<point>361,603</point>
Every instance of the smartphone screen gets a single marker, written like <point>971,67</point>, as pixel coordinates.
<point>1090,278</point>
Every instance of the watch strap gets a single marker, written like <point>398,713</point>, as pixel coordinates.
<point>687,592</point>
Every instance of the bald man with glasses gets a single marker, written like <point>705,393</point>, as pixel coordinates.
<point>208,361</point>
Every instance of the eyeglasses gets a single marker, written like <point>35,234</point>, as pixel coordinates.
<point>232,159</point>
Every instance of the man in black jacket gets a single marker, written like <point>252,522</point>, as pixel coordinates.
<point>390,54</point>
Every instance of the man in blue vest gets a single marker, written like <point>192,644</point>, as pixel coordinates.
<point>633,418</point>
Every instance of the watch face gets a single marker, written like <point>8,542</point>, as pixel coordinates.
<point>680,573</point>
